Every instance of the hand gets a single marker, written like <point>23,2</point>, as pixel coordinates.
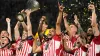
<point>76,19</point>
<point>75,16</point>
<point>21,11</point>
<point>43,18</point>
<point>64,15</point>
<point>87,45</point>
<point>66,38</point>
<point>8,20</point>
<point>61,7</point>
<point>91,7</point>
<point>19,23</point>
<point>28,12</point>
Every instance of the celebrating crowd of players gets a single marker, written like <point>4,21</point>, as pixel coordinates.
<point>52,42</point>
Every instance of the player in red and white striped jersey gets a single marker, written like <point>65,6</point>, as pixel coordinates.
<point>80,48</point>
<point>7,33</point>
<point>5,49</point>
<point>5,41</point>
<point>72,29</point>
<point>94,49</point>
<point>82,51</point>
<point>24,48</point>
<point>74,44</point>
<point>77,50</point>
<point>69,44</point>
<point>53,46</point>
<point>6,52</point>
<point>24,45</point>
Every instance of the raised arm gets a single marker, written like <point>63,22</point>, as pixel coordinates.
<point>29,25</point>
<point>94,21</point>
<point>16,31</point>
<point>40,28</point>
<point>78,24</point>
<point>36,48</point>
<point>80,30</point>
<point>41,23</point>
<point>66,24</point>
<point>24,26</point>
<point>9,27</point>
<point>59,19</point>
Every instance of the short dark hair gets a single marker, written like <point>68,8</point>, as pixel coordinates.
<point>74,25</point>
<point>5,30</point>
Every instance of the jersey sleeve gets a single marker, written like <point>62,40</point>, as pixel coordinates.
<point>57,37</point>
<point>96,40</point>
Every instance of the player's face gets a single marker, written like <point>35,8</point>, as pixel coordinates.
<point>51,33</point>
<point>78,42</point>
<point>4,34</point>
<point>90,31</point>
<point>73,28</point>
<point>88,37</point>
<point>24,35</point>
<point>44,26</point>
<point>4,41</point>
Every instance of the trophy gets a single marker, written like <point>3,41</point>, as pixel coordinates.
<point>31,4</point>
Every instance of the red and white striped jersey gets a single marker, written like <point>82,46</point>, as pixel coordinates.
<point>70,44</point>
<point>6,52</point>
<point>54,48</point>
<point>94,49</point>
<point>26,48</point>
<point>82,51</point>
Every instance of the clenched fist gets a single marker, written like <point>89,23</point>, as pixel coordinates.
<point>8,20</point>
